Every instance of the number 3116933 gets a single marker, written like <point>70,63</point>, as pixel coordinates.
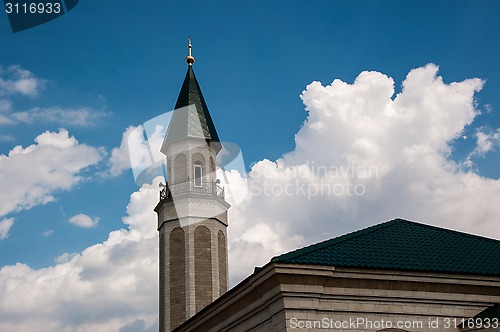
<point>33,8</point>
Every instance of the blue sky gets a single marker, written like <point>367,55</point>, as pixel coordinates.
<point>122,65</point>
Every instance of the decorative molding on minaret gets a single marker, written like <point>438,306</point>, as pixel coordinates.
<point>192,211</point>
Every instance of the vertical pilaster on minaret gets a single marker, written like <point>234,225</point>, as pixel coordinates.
<point>192,212</point>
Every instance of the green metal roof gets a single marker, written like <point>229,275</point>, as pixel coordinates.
<point>489,315</point>
<point>490,312</point>
<point>404,245</point>
<point>191,117</point>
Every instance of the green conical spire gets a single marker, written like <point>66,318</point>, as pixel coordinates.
<point>189,121</point>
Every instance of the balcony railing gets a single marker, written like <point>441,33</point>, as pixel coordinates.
<point>190,187</point>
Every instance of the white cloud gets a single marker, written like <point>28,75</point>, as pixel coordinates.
<point>364,156</point>
<point>107,287</point>
<point>4,120</point>
<point>5,226</point>
<point>5,105</point>
<point>120,160</point>
<point>135,152</point>
<point>16,80</point>
<point>65,116</point>
<point>6,138</point>
<point>59,160</point>
<point>64,258</point>
<point>395,148</point>
<point>486,141</point>
<point>47,233</point>
<point>84,221</point>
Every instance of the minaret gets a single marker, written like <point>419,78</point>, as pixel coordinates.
<point>192,212</point>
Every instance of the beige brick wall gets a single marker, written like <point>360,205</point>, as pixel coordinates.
<point>162,283</point>
<point>177,303</point>
<point>222,251</point>
<point>203,267</point>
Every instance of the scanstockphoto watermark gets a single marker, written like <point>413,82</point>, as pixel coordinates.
<point>364,324</point>
<point>359,324</point>
<point>147,149</point>
<point>311,168</point>
<point>310,180</point>
<point>296,187</point>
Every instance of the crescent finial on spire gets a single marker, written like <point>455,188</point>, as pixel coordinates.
<point>190,57</point>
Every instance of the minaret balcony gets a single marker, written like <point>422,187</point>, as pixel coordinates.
<point>191,186</point>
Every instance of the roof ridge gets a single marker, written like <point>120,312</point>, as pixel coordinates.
<point>456,232</point>
<point>404,245</point>
<point>339,239</point>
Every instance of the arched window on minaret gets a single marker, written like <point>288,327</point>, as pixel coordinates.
<point>198,169</point>
<point>180,169</point>
<point>198,174</point>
